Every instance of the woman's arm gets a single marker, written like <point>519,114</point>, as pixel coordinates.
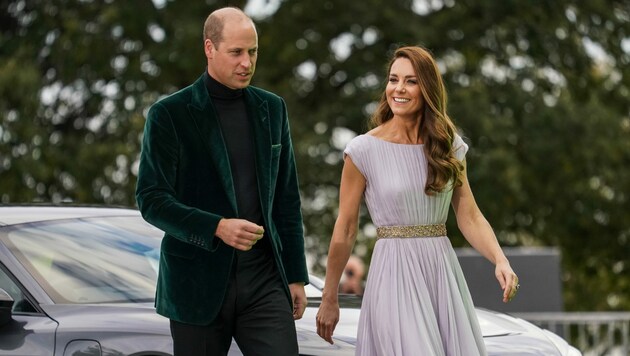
<point>480,235</point>
<point>343,237</point>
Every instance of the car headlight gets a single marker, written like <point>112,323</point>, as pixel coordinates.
<point>562,346</point>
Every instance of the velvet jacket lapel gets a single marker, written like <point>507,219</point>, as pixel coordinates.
<point>258,114</point>
<point>205,118</point>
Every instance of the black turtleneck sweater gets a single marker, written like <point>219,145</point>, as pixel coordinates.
<point>237,134</point>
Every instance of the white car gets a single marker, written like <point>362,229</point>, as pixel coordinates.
<point>78,281</point>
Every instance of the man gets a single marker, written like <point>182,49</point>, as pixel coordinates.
<point>217,175</point>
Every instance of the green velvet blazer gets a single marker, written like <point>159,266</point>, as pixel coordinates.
<point>185,187</point>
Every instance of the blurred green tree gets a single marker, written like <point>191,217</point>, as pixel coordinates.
<point>540,90</point>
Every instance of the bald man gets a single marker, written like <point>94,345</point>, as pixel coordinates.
<point>217,175</point>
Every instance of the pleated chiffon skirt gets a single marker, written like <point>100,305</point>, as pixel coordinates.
<point>417,302</point>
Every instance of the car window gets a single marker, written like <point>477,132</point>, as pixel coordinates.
<point>90,260</point>
<point>315,287</point>
<point>20,303</point>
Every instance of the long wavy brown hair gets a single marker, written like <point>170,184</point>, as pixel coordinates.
<point>436,128</point>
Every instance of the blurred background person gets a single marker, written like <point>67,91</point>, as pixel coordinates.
<point>352,277</point>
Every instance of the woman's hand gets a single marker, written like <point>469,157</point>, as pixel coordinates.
<point>507,279</point>
<point>327,319</point>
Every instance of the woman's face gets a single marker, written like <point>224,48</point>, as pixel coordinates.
<point>403,90</point>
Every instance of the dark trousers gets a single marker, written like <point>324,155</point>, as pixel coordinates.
<point>255,312</point>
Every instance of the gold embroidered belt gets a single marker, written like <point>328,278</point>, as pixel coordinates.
<point>388,232</point>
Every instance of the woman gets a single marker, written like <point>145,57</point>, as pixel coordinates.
<point>410,166</point>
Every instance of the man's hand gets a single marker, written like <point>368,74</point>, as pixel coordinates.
<point>238,233</point>
<point>298,296</point>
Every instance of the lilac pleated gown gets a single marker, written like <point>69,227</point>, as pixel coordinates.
<point>416,300</point>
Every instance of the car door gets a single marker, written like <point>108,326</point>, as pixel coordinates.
<point>29,332</point>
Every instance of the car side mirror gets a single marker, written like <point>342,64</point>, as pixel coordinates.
<point>6,306</point>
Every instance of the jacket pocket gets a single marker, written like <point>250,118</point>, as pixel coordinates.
<point>275,151</point>
<point>177,248</point>
<point>274,166</point>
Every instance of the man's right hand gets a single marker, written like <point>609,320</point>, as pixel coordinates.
<point>238,233</point>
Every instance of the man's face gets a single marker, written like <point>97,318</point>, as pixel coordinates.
<point>233,61</point>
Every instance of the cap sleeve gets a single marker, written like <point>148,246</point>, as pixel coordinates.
<point>460,148</point>
<point>356,150</point>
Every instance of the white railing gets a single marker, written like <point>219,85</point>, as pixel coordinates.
<point>594,333</point>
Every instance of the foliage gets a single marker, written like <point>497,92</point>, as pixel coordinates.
<point>539,90</point>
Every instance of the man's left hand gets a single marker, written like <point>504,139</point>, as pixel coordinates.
<point>298,295</point>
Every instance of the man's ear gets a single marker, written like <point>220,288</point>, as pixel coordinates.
<point>208,48</point>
